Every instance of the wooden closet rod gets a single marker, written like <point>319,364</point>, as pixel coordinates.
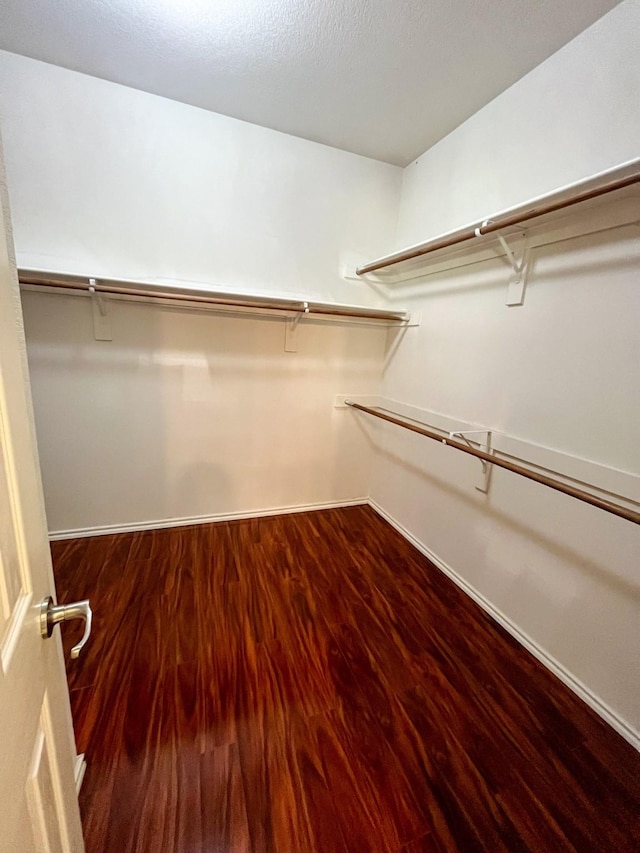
<point>223,300</point>
<point>614,509</point>
<point>546,204</point>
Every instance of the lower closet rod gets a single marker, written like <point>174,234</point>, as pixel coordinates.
<point>614,509</point>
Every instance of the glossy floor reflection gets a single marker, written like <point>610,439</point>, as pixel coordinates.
<point>311,682</point>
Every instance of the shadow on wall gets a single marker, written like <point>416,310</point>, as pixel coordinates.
<point>482,505</point>
<point>186,413</point>
<point>100,420</point>
<point>196,480</point>
<point>126,428</point>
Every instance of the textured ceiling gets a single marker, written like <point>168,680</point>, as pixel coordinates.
<point>383,78</point>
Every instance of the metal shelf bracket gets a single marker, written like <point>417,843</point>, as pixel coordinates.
<point>484,444</point>
<point>291,329</point>
<point>518,257</point>
<point>101,319</point>
<point>519,260</point>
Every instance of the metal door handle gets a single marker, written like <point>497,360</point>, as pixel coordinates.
<point>51,614</point>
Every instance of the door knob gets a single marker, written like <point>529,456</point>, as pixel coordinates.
<point>51,614</point>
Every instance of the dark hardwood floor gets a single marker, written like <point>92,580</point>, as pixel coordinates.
<point>312,683</point>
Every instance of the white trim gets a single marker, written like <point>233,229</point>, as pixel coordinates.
<point>601,708</point>
<point>134,527</point>
<point>79,769</point>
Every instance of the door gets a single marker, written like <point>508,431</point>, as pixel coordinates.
<point>38,802</point>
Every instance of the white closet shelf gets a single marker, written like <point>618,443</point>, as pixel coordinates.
<point>206,297</point>
<point>483,236</point>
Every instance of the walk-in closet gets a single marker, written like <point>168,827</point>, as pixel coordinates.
<point>319,408</point>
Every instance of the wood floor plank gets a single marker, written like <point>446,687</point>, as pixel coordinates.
<point>311,683</point>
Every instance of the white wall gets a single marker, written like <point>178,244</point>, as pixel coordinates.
<point>574,115</point>
<point>190,414</point>
<point>109,181</point>
<point>560,371</point>
<point>187,414</point>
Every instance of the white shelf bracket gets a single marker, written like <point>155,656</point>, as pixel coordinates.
<point>101,318</point>
<point>291,329</point>
<point>483,443</point>
<point>519,260</point>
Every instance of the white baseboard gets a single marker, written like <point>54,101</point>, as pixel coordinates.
<point>79,769</point>
<point>601,708</point>
<point>158,524</point>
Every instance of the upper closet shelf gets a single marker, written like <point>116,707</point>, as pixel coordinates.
<point>512,232</point>
<point>201,296</point>
<point>293,310</point>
